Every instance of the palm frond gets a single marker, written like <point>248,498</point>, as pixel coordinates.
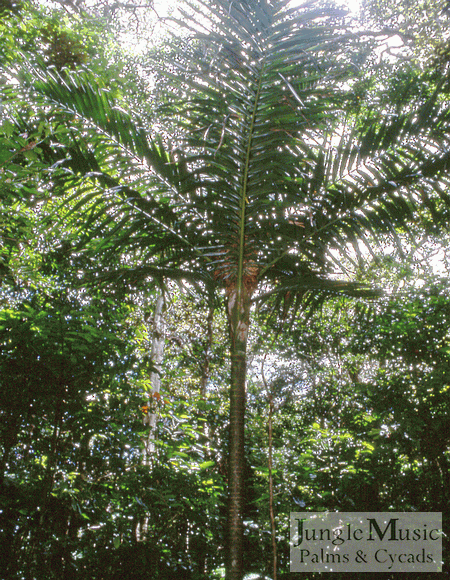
<point>265,164</point>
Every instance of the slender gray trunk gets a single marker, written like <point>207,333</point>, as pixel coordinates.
<point>150,417</point>
<point>156,358</point>
<point>208,348</point>
<point>271,508</point>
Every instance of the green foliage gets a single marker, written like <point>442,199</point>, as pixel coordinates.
<point>362,413</point>
<point>421,27</point>
<point>285,169</point>
<point>71,442</point>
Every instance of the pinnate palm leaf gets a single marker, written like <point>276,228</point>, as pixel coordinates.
<point>257,180</point>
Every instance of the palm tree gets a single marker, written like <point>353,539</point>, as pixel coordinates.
<point>270,178</point>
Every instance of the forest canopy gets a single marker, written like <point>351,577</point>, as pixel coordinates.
<point>224,279</point>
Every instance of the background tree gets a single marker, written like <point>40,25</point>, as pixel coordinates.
<point>419,30</point>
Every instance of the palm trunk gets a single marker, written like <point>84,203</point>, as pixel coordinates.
<point>238,318</point>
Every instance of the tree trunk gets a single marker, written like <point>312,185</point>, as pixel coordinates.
<point>156,357</point>
<point>206,371</point>
<point>208,346</point>
<point>271,510</point>
<point>238,317</point>
<point>150,418</point>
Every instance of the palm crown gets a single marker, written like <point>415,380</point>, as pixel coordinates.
<point>268,179</point>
